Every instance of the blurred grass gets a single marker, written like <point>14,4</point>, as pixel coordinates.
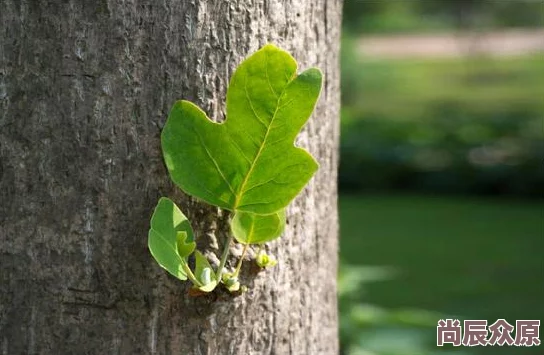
<point>469,125</point>
<point>468,257</point>
<point>403,89</point>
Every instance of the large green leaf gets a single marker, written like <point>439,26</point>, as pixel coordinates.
<point>170,239</point>
<point>251,228</point>
<point>248,163</point>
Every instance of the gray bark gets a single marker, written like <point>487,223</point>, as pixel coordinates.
<point>85,87</point>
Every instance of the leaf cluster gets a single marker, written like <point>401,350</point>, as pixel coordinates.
<point>247,164</point>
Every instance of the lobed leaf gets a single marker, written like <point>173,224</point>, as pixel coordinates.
<point>248,163</point>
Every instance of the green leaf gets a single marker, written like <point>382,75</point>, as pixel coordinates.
<point>248,163</point>
<point>231,282</point>
<point>264,260</point>
<point>184,248</point>
<point>250,228</point>
<point>168,226</point>
<point>204,273</point>
<point>165,255</point>
<point>168,219</point>
<point>233,285</point>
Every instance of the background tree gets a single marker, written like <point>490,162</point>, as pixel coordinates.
<point>85,88</point>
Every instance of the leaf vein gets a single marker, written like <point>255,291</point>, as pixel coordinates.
<point>215,162</point>
<point>204,187</point>
<point>239,148</point>
<point>251,105</point>
<point>246,178</point>
<point>267,77</point>
<point>171,247</point>
<point>286,104</point>
<point>264,183</point>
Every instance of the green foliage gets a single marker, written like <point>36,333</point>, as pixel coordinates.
<point>264,260</point>
<point>184,247</point>
<point>443,254</point>
<point>247,164</point>
<point>401,16</point>
<point>250,228</point>
<point>231,282</point>
<point>170,238</point>
<point>372,329</point>
<point>204,273</point>
<point>469,125</point>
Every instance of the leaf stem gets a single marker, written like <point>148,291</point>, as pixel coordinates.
<point>191,276</point>
<point>224,256</point>
<point>239,266</point>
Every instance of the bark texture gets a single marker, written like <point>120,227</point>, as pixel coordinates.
<point>85,88</point>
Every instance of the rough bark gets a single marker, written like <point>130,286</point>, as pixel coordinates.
<point>85,87</point>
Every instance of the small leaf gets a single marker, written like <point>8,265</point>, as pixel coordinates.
<point>168,219</point>
<point>165,254</point>
<point>184,249</point>
<point>265,260</point>
<point>204,273</point>
<point>250,228</point>
<point>231,282</point>
<point>234,286</point>
<point>226,276</point>
<point>248,163</point>
<point>167,223</point>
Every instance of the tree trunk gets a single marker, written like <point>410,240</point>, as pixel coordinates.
<point>85,88</point>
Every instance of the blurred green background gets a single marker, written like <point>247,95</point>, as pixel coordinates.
<point>441,177</point>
